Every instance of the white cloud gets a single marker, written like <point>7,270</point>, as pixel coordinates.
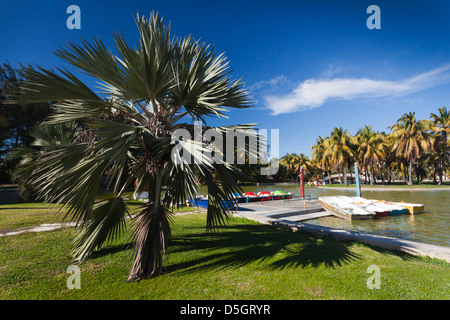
<point>313,93</point>
<point>272,82</point>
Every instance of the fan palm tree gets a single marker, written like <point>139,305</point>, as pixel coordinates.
<point>441,122</point>
<point>127,132</point>
<point>411,139</point>
<point>338,147</point>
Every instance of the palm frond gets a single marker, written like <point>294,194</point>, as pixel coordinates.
<point>106,222</point>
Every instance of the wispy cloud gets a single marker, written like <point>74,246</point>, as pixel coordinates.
<point>313,93</point>
<point>279,80</point>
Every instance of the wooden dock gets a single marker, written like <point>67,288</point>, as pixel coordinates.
<point>307,216</point>
<point>271,211</point>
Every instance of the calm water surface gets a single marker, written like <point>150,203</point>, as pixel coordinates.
<point>432,226</point>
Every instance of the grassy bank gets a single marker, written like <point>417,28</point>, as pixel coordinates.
<point>22,215</point>
<point>243,260</point>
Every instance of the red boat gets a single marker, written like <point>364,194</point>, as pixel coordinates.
<point>262,196</point>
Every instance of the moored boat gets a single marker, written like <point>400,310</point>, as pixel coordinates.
<point>391,208</point>
<point>344,209</point>
<point>249,194</point>
<point>199,202</point>
<point>264,196</point>
<point>411,208</point>
<point>203,203</point>
<point>395,209</point>
<point>370,205</point>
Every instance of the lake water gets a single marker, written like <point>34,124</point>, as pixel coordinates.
<point>432,226</point>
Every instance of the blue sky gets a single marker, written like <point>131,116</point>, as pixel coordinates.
<point>309,65</point>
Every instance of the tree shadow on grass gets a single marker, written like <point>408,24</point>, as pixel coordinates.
<point>403,255</point>
<point>111,249</point>
<point>234,246</point>
<point>238,245</point>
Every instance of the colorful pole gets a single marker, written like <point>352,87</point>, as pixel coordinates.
<point>323,183</point>
<point>302,187</point>
<point>358,187</point>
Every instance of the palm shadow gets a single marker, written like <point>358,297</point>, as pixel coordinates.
<point>237,246</point>
<point>111,249</point>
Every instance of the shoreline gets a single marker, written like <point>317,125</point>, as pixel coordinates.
<point>353,187</point>
<point>388,188</point>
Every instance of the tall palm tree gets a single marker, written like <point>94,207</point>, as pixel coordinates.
<point>338,147</point>
<point>390,158</point>
<point>441,122</point>
<point>305,163</point>
<point>411,139</point>
<point>371,148</point>
<point>150,90</point>
<point>291,162</point>
<point>319,156</point>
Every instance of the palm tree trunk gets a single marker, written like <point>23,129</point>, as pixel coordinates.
<point>389,174</point>
<point>404,172</point>
<point>344,172</point>
<point>151,234</point>
<point>351,176</point>
<point>371,175</point>
<point>410,172</point>
<point>434,174</point>
<point>444,158</point>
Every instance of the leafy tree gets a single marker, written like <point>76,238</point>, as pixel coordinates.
<point>16,120</point>
<point>319,158</point>
<point>370,148</point>
<point>338,147</point>
<point>411,139</point>
<point>441,125</point>
<point>291,161</point>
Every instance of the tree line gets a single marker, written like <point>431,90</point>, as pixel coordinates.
<point>16,120</point>
<point>412,151</point>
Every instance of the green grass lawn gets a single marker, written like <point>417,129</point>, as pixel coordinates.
<point>243,260</point>
<point>16,216</point>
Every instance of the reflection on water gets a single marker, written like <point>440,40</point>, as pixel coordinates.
<point>432,226</point>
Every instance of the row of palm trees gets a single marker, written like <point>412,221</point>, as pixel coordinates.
<point>412,145</point>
